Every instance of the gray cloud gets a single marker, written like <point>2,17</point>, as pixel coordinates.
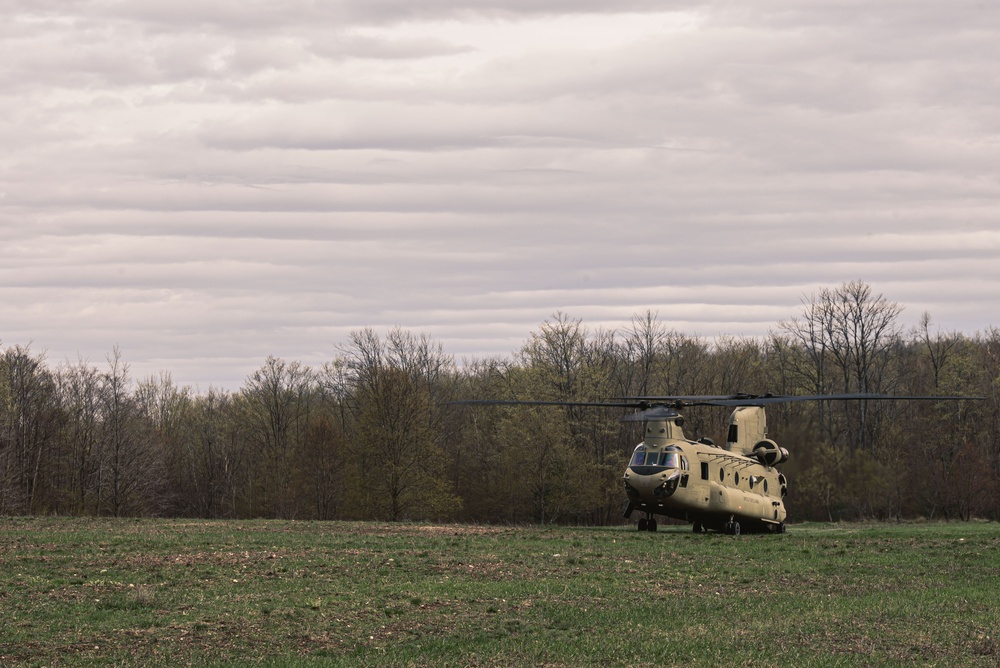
<point>208,184</point>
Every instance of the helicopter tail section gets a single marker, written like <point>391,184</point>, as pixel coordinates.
<point>747,428</point>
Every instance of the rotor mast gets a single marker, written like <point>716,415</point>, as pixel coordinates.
<point>661,425</point>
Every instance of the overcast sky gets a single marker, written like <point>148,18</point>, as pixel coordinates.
<point>205,183</point>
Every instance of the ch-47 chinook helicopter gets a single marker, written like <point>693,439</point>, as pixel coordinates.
<point>728,489</point>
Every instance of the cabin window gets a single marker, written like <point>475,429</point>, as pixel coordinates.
<point>734,433</point>
<point>736,478</point>
<point>704,470</point>
<point>722,475</point>
<point>765,485</point>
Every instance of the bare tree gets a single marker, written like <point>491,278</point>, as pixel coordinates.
<point>940,347</point>
<point>209,463</point>
<point>132,470</point>
<point>642,345</point>
<point>557,355</point>
<point>846,339</point>
<point>29,418</point>
<point>80,392</point>
<point>277,403</point>
<point>393,386</point>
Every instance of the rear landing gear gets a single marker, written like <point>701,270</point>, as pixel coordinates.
<point>733,528</point>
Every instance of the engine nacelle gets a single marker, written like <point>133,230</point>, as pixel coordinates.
<point>769,454</point>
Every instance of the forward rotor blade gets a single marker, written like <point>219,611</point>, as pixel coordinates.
<point>515,402</point>
<point>647,410</point>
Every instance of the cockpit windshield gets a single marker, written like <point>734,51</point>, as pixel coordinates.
<point>641,457</point>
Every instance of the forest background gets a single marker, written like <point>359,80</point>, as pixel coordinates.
<point>372,433</point>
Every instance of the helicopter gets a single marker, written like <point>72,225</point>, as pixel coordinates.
<point>728,489</point>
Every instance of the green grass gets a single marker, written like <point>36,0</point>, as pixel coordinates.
<point>181,592</point>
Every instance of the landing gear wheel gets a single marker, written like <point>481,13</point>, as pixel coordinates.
<point>697,527</point>
<point>651,525</point>
<point>642,524</point>
<point>782,528</point>
<point>732,528</point>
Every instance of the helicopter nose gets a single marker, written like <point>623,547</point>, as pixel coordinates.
<point>652,487</point>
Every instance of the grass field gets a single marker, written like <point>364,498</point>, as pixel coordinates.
<point>182,592</point>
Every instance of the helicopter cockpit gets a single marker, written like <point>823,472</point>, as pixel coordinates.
<point>648,462</point>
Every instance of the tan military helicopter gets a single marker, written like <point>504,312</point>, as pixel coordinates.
<point>729,489</point>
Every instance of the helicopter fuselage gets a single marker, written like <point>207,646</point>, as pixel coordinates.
<point>698,482</point>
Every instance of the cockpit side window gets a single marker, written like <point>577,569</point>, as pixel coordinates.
<point>639,456</point>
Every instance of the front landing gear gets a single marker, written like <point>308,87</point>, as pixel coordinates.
<point>647,523</point>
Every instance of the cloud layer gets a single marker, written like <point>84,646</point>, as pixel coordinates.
<point>205,184</point>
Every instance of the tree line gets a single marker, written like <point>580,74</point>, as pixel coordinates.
<point>375,434</point>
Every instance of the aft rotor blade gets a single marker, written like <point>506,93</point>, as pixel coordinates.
<point>677,402</point>
<point>735,400</point>
<point>857,396</point>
